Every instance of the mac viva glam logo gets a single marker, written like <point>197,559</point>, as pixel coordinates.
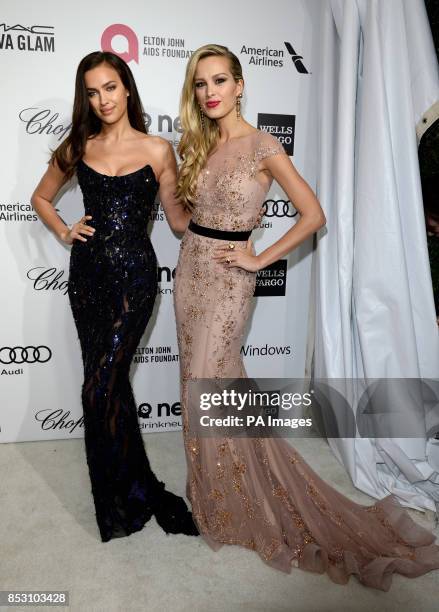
<point>19,37</point>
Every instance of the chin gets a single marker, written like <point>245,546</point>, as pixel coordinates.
<point>215,114</point>
<point>109,120</point>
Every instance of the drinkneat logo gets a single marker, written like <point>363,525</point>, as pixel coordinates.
<point>13,356</point>
<point>154,45</point>
<point>19,37</point>
<point>165,278</point>
<point>158,412</point>
<point>273,57</point>
<point>280,126</point>
<point>165,126</point>
<point>16,212</point>
<point>272,280</point>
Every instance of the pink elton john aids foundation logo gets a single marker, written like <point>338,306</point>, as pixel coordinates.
<point>132,43</point>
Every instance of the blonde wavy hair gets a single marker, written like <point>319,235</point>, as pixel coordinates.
<point>197,142</point>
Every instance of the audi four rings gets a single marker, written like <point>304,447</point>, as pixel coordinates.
<point>25,354</point>
<point>279,208</point>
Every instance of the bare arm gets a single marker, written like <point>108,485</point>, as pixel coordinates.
<point>176,215</point>
<point>42,198</point>
<point>305,202</point>
<point>311,219</point>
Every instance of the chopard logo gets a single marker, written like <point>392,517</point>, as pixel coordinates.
<point>26,354</point>
<point>58,419</point>
<point>51,279</point>
<point>47,278</point>
<point>47,121</point>
<point>43,121</point>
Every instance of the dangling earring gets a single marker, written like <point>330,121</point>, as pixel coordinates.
<point>238,107</point>
<point>202,118</point>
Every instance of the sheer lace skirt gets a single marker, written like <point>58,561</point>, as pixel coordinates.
<point>260,493</point>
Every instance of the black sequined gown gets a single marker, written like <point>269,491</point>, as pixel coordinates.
<point>112,289</point>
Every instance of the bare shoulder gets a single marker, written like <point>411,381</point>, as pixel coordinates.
<point>155,146</point>
<point>161,145</point>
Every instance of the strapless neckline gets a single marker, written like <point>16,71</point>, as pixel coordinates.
<point>114,176</point>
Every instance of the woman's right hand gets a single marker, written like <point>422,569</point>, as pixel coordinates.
<point>77,231</point>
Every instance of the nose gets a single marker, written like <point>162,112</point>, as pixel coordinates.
<point>210,89</point>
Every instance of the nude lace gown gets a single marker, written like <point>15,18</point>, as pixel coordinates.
<point>260,493</point>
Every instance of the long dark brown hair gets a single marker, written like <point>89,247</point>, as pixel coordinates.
<point>85,123</point>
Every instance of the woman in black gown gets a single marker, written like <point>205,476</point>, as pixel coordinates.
<point>113,282</point>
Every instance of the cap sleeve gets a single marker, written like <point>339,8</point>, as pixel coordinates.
<point>267,146</point>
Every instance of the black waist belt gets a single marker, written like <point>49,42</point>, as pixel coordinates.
<point>209,232</point>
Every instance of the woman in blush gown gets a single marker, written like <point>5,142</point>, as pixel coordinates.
<point>113,282</point>
<point>259,493</point>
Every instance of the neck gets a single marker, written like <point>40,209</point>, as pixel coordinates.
<point>231,127</point>
<point>116,131</point>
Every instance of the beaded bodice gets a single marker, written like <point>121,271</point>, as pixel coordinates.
<point>231,188</point>
<point>120,206</point>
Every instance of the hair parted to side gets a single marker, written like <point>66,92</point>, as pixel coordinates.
<point>197,141</point>
<point>85,124</point>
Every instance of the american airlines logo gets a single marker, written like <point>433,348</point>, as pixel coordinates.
<point>297,59</point>
<point>273,57</point>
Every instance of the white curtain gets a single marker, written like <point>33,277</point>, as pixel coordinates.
<point>374,312</point>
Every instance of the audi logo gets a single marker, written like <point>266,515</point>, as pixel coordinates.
<point>278,208</point>
<point>25,354</point>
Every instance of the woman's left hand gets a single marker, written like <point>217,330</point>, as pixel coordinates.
<point>232,257</point>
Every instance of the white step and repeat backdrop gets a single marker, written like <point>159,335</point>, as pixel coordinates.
<point>40,47</point>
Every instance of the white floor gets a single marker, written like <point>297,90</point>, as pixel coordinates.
<point>49,540</point>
